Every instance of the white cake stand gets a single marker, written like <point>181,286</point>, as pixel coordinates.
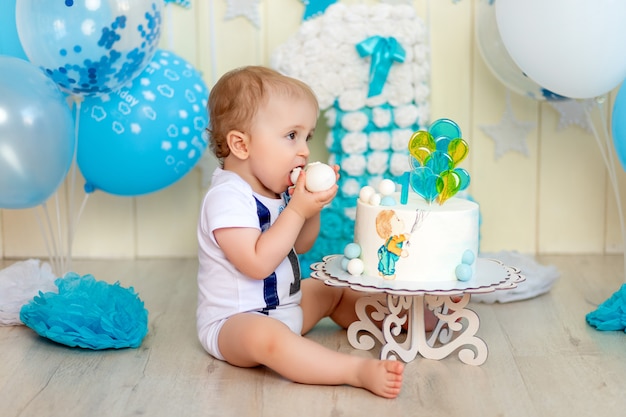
<point>391,306</point>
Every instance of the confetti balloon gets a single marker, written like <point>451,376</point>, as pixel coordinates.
<point>89,47</point>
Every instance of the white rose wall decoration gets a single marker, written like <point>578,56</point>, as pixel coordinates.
<point>370,69</point>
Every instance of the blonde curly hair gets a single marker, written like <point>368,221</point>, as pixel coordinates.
<point>237,96</point>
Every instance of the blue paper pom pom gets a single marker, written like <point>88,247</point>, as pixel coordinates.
<point>611,314</point>
<point>88,313</point>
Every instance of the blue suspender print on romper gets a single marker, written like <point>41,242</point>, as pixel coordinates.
<point>270,283</point>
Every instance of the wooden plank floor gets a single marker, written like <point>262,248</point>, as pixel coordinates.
<point>544,360</point>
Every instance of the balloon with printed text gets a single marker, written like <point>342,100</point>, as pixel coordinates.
<point>147,135</point>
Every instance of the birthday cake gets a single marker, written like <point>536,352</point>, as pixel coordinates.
<point>422,233</point>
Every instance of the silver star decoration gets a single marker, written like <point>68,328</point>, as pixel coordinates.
<point>510,134</point>
<point>246,8</point>
<point>573,112</point>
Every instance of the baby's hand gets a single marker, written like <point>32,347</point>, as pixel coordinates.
<point>306,203</point>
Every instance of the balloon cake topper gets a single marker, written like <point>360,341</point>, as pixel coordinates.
<point>434,156</point>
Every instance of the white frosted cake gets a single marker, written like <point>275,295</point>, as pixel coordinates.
<point>423,233</point>
<point>417,241</point>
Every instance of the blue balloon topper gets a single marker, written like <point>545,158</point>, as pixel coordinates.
<point>444,128</point>
<point>424,182</point>
<point>439,162</point>
<point>440,148</point>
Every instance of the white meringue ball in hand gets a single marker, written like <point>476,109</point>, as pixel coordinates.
<point>319,176</point>
<point>295,174</point>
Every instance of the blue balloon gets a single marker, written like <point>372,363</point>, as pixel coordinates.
<point>146,135</point>
<point>9,40</point>
<point>439,161</point>
<point>89,47</point>
<point>464,177</point>
<point>618,125</point>
<point>444,128</point>
<point>424,182</point>
<point>36,135</point>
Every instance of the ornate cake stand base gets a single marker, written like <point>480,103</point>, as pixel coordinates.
<point>396,314</point>
<point>398,322</point>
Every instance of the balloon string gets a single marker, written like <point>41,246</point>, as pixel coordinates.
<point>59,235</point>
<point>56,262</point>
<point>80,212</point>
<point>609,161</point>
<point>46,241</point>
<point>71,221</point>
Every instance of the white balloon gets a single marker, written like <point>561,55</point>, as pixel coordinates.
<point>574,48</point>
<point>497,58</point>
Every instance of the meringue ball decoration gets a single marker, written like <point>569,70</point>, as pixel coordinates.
<point>366,193</point>
<point>319,176</point>
<point>295,174</point>
<point>355,267</point>
<point>387,187</point>
<point>375,199</point>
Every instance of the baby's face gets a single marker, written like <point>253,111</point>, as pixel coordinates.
<point>279,142</point>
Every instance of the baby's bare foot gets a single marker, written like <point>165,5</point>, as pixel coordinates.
<point>383,378</point>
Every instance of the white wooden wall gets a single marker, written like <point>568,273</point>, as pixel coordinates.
<point>556,200</point>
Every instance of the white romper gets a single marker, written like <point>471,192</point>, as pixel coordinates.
<point>222,289</point>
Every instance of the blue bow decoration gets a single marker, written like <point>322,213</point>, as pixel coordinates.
<point>183,3</point>
<point>384,51</point>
